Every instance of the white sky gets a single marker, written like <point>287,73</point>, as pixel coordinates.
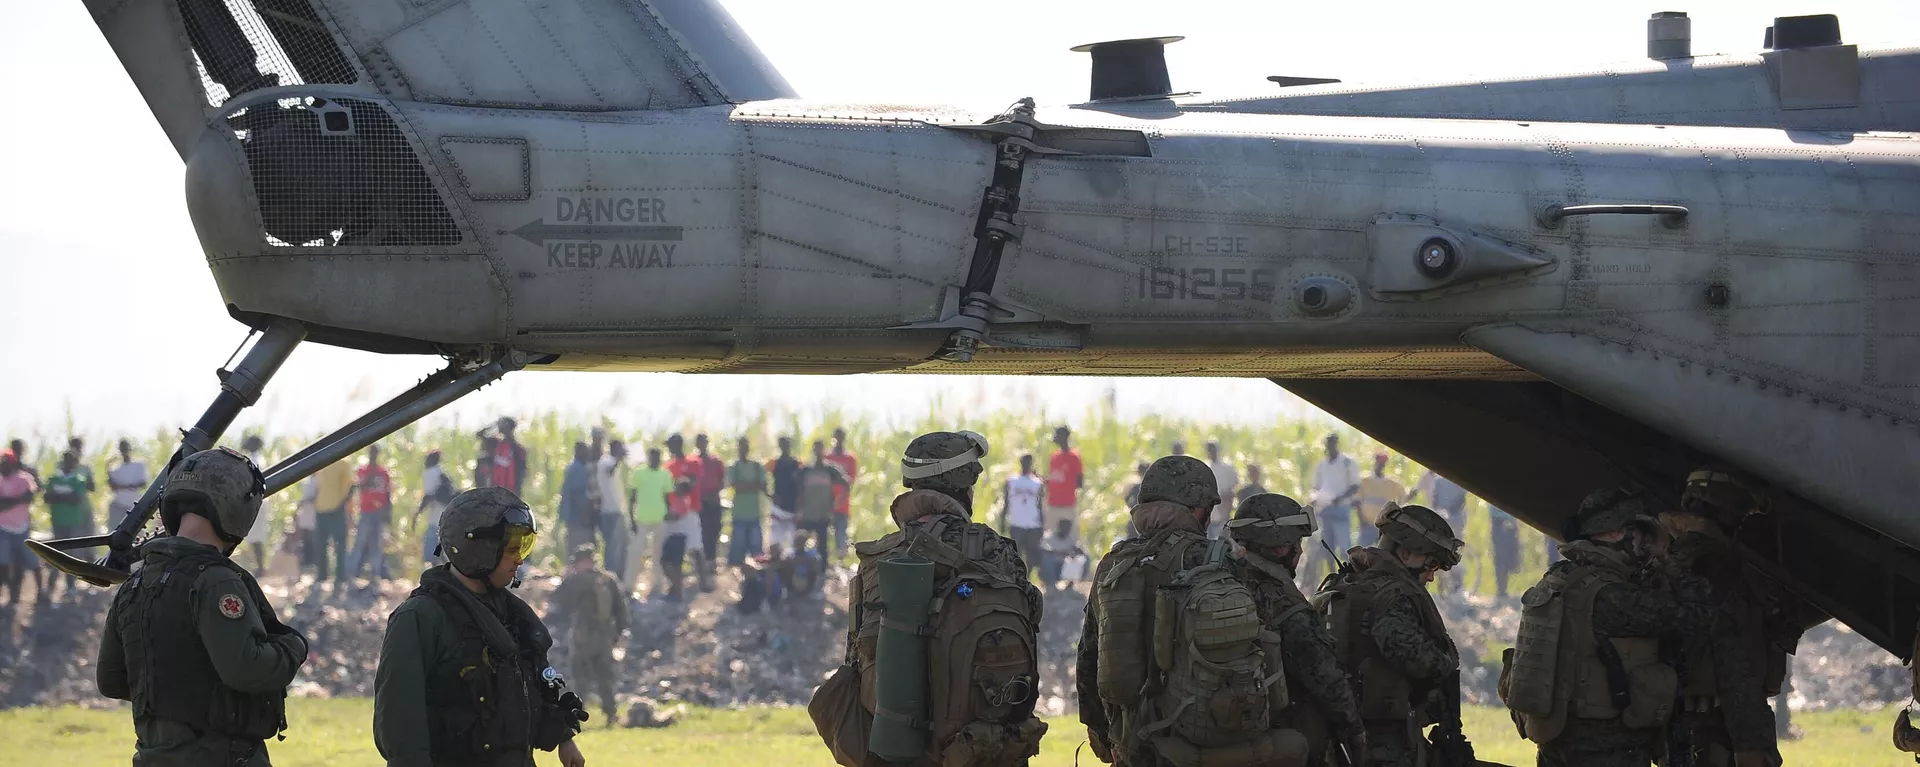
<point>107,310</point>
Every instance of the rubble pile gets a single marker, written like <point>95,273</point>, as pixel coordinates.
<point>707,652</point>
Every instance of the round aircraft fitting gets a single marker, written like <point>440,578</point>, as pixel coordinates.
<point>1437,258</point>
<point>1322,296</point>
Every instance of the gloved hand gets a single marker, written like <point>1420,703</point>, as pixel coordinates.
<point>1100,747</point>
<point>1755,759</point>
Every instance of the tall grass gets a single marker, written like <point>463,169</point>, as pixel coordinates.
<point>1110,448</point>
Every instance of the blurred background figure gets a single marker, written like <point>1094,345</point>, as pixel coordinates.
<point>128,480</point>
<point>69,494</point>
<point>1065,476</point>
<point>613,521</point>
<point>1226,480</point>
<point>1020,514</point>
<point>748,478</point>
<point>375,486</point>
<point>649,490</point>
<point>436,491</point>
<point>1376,491</point>
<point>255,448</point>
<point>843,493</point>
<point>17,490</point>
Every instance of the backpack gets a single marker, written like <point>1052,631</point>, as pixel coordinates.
<point>1214,698</point>
<point>1124,598</point>
<point>982,660</point>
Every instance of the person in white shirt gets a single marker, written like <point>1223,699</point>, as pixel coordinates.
<point>1020,511</point>
<point>129,480</point>
<point>1225,478</point>
<point>610,479</point>
<point>1336,481</point>
<point>436,491</point>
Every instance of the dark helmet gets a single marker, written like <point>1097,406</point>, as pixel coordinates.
<point>1270,519</point>
<point>219,484</point>
<point>584,551</point>
<point>1722,493</point>
<point>480,524</point>
<point>1418,528</point>
<point>1607,510</point>
<point>948,461</point>
<point>1183,479</point>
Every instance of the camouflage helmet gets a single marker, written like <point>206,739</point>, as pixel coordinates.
<point>1418,528</point>
<point>1720,491</point>
<point>947,461</point>
<point>478,526</point>
<point>1271,519</point>
<point>1182,479</point>
<point>219,484</point>
<point>1609,509</point>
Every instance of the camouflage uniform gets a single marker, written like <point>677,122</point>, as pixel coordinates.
<point>1729,669</point>
<point>1626,608</point>
<point>1905,736</point>
<point>1320,696</point>
<point>1393,628</point>
<point>590,609</point>
<point>1169,492</point>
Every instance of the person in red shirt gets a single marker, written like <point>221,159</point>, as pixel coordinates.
<point>842,494</point>
<point>502,461</point>
<point>683,514</point>
<point>712,479</point>
<point>1064,480</point>
<point>375,487</point>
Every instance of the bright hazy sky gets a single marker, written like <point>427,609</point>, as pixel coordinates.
<point>111,314</point>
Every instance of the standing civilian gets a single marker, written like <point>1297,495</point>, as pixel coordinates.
<point>842,494</point>
<point>128,480</point>
<point>748,478</point>
<point>1020,513</point>
<point>1450,501</point>
<point>817,485</point>
<point>576,508</point>
<point>1376,491</point>
<point>1132,496</point>
<point>1225,478</point>
<point>615,521</point>
<point>375,486</point>
<point>711,479</point>
<point>334,492</point>
<point>503,462</point>
<point>17,489</point>
<point>1253,486</point>
<point>68,508</point>
<point>436,491</point>
<point>1064,480</point>
<point>1505,532</point>
<point>1336,480</point>
<point>683,515</point>
<point>786,493</point>
<point>649,489</point>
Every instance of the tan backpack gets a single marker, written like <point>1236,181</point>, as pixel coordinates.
<point>982,660</point>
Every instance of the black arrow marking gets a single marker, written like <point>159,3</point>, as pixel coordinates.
<point>538,231</point>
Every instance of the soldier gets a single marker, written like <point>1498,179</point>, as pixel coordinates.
<point>1587,680</point>
<point>463,676</point>
<point>1905,736</point>
<point>985,716</point>
<point>1729,674</point>
<point>1177,496</point>
<point>590,609</point>
<point>1392,642</point>
<point>190,640</point>
<point>1269,528</point>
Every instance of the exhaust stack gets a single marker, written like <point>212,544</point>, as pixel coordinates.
<point>1669,36</point>
<point>1126,70</point>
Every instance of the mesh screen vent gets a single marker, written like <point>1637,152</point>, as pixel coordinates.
<point>244,45</point>
<point>363,188</point>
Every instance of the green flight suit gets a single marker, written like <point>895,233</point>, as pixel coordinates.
<point>229,630</point>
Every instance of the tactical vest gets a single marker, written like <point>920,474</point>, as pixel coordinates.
<point>1124,601</point>
<point>482,704</point>
<point>1385,692</point>
<point>1283,600</point>
<point>173,676</point>
<point>1561,669</point>
<point>1765,630</point>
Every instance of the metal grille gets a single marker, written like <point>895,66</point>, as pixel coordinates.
<point>361,187</point>
<point>244,45</point>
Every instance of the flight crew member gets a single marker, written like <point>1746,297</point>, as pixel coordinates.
<point>589,608</point>
<point>463,674</point>
<point>1392,641</point>
<point>1587,680</point>
<point>1743,662</point>
<point>1177,496</point>
<point>190,640</point>
<point>1269,528</point>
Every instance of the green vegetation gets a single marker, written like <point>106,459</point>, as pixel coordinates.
<point>335,732</point>
<point>1109,447</point>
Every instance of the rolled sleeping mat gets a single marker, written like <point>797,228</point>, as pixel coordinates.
<point>900,723</point>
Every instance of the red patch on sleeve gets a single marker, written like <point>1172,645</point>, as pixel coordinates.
<point>232,607</point>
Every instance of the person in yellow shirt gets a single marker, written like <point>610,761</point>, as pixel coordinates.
<point>1376,490</point>
<point>334,491</point>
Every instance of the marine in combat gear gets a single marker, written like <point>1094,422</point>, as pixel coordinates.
<point>590,609</point>
<point>1391,639</point>
<point>1732,671</point>
<point>1589,677</point>
<point>1269,528</point>
<point>463,676</point>
<point>190,640</point>
<point>1176,498</point>
<point>981,637</point>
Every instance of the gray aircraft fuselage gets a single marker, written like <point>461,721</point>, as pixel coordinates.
<point>629,186</point>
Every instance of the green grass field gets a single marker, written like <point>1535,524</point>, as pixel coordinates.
<point>335,732</point>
